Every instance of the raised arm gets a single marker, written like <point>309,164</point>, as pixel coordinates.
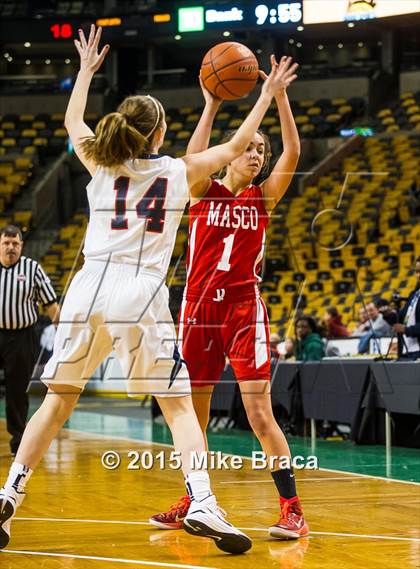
<point>275,186</point>
<point>201,136</point>
<point>200,166</point>
<point>90,62</point>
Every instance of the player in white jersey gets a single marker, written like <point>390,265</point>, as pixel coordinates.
<point>119,299</point>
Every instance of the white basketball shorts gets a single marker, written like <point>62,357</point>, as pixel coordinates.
<point>118,307</point>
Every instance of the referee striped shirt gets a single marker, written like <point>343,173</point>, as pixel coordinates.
<point>22,286</point>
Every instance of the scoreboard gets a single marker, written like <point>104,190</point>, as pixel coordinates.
<point>205,16</point>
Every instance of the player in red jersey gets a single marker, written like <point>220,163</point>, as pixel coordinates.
<point>222,313</point>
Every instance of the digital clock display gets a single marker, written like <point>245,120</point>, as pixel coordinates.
<point>289,13</point>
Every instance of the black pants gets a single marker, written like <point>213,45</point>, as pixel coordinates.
<point>18,352</point>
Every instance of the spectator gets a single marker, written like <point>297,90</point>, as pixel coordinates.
<point>23,284</point>
<point>378,328</point>
<point>274,342</point>
<point>334,325</point>
<point>363,324</point>
<point>406,322</point>
<point>286,349</point>
<point>309,344</point>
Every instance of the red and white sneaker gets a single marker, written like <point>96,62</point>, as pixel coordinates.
<point>174,517</point>
<point>291,524</point>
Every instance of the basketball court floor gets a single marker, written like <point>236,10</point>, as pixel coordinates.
<point>363,509</point>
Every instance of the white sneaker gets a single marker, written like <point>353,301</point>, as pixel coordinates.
<point>206,519</point>
<point>9,502</point>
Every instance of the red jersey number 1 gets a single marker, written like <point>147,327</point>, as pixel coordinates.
<point>149,207</point>
<point>223,264</point>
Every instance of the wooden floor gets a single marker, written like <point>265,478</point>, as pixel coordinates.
<point>79,515</point>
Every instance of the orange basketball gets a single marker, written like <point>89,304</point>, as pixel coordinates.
<point>229,70</point>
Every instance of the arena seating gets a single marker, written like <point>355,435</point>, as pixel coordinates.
<point>404,114</point>
<point>309,258</point>
<point>27,140</point>
<point>321,118</point>
<point>64,256</point>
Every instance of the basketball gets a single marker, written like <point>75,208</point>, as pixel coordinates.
<point>229,70</point>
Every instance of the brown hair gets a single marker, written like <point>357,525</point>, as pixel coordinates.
<point>11,231</point>
<point>125,134</point>
<point>267,152</point>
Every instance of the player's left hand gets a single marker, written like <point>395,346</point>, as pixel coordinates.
<point>286,68</point>
<point>399,328</point>
<point>90,59</point>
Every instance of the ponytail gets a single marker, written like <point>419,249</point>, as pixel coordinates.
<point>115,142</point>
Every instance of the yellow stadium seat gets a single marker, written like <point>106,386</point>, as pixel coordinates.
<point>413,109</point>
<point>7,190</point>
<point>22,217</point>
<point>307,128</point>
<point>333,117</point>
<point>8,142</point>
<point>23,163</point>
<point>235,123</point>
<point>414,119</point>
<point>268,121</point>
<point>26,117</point>
<point>6,169</point>
<point>306,103</point>
<point>61,132</point>
<point>29,133</point>
<point>388,120</point>
<point>313,111</point>
<point>384,113</point>
<point>183,135</point>
<point>408,102</point>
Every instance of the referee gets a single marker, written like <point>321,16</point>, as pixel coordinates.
<point>23,284</point>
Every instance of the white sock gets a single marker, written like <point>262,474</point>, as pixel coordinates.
<point>19,475</point>
<point>198,485</point>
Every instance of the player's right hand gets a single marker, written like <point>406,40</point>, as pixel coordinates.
<point>90,59</point>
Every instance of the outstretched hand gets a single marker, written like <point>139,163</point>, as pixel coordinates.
<point>282,74</point>
<point>90,59</point>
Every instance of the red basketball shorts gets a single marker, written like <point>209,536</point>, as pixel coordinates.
<point>211,331</point>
